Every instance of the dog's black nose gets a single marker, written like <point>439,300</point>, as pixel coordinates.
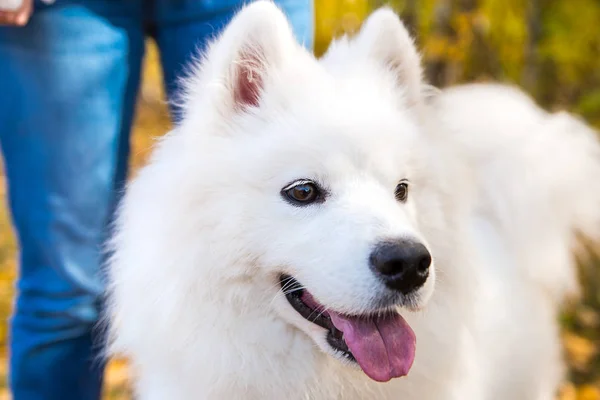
<point>403,264</point>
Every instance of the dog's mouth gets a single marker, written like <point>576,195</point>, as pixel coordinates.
<point>382,343</point>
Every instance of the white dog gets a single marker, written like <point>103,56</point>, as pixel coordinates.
<point>329,230</point>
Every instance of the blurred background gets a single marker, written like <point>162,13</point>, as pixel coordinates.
<point>551,48</point>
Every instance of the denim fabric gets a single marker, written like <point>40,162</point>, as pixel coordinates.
<point>68,83</point>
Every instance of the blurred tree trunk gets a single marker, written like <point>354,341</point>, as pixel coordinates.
<point>410,17</point>
<point>467,5</point>
<point>482,61</point>
<point>438,69</point>
<point>529,78</point>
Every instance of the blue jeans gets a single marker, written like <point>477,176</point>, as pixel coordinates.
<point>68,85</point>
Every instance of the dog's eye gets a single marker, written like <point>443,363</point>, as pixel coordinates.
<point>401,191</point>
<point>301,192</point>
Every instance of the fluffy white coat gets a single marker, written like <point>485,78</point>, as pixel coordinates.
<point>499,190</point>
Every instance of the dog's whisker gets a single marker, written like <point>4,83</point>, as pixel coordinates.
<point>287,286</point>
<point>285,281</point>
<point>282,282</point>
<point>290,291</point>
<point>322,310</point>
<point>284,292</point>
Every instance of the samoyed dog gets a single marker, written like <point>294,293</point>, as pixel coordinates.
<point>333,229</point>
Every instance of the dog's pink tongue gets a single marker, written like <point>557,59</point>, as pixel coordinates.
<point>384,347</point>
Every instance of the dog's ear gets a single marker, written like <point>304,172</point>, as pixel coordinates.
<point>384,38</point>
<point>237,65</point>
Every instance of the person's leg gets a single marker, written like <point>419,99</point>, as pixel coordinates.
<point>184,28</point>
<point>69,80</point>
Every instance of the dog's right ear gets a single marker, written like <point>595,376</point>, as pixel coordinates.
<point>239,63</point>
<point>384,38</point>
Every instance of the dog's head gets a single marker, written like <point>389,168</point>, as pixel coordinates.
<point>314,171</point>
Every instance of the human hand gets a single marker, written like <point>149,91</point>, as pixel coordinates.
<point>13,13</point>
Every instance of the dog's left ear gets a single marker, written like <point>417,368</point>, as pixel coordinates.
<point>384,37</point>
<point>240,62</point>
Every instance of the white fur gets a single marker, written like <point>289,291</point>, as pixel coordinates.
<point>498,190</point>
